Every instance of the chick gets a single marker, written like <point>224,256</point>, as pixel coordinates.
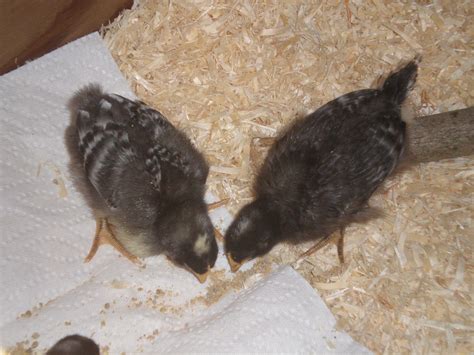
<point>143,179</point>
<point>319,175</point>
<point>74,345</point>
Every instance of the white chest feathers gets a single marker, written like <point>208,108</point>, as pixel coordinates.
<point>202,244</point>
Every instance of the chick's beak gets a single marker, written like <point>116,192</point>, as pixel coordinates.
<point>201,277</point>
<point>234,265</point>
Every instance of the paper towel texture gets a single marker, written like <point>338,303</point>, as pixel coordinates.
<point>48,292</point>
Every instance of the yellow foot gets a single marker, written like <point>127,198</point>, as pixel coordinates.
<point>104,235</point>
<point>337,238</point>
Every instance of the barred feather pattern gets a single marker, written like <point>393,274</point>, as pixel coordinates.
<point>102,140</point>
<point>143,175</point>
<point>106,126</point>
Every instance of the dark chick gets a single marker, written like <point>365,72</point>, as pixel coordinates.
<point>143,179</point>
<point>74,345</point>
<point>319,175</point>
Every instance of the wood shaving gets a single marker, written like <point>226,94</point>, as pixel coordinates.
<point>117,284</point>
<point>157,300</point>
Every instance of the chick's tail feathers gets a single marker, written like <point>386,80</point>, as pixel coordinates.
<point>399,83</point>
<point>86,98</point>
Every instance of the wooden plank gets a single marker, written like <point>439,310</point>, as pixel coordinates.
<point>442,136</point>
<point>31,28</point>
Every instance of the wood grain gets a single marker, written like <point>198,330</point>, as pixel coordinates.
<point>442,136</point>
<point>31,28</point>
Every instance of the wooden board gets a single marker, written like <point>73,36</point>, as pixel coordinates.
<point>29,29</point>
<point>442,136</point>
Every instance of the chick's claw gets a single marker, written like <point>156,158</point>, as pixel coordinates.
<point>104,235</point>
<point>96,242</point>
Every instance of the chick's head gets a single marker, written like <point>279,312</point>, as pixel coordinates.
<point>188,237</point>
<point>253,233</point>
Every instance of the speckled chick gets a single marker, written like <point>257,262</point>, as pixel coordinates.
<point>319,175</point>
<point>143,179</point>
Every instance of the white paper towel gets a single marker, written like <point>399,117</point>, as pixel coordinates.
<point>47,290</point>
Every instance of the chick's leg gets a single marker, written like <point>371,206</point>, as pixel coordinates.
<point>319,245</point>
<point>104,235</point>
<point>96,242</point>
<point>337,238</point>
<point>340,245</point>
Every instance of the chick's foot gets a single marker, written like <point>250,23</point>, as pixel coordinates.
<point>336,238</point>
<point>104,235</point>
